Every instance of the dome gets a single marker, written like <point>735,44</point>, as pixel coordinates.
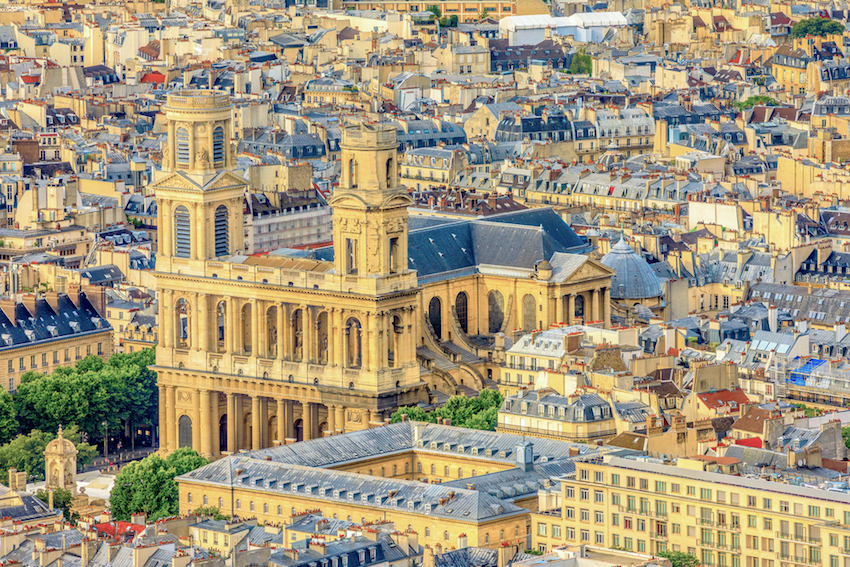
<point>634,278</point>
<point>60,446</point>
<point>544,265</point>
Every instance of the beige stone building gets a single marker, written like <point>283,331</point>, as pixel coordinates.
<point>263,349</point>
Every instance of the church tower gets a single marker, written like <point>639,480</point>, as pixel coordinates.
<point>199,200</point>
<point>370,206</point>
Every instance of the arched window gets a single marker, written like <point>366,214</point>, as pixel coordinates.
<point>435,316</point>
<point>462,310</point>
<point>579,312</point>
<point>446,535</point>
<point>222,237</point>
<point>218,146</point>
<point>529,315</point>
<point>182,146</point>
<point>221,502</point>
<point>182,233</point>
<point>390,182</point>
<point>184,431</point>
<point>495,311</point>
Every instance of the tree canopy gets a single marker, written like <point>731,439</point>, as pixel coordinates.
<point>581,63</point>
<point>680,558</point>
<point>26,452</point>
<point>148,485</point>
<point>119,391</point>
<point>758,100</point>
<point>816,26</point>
<point>62,499</point>
<point>473,413</point>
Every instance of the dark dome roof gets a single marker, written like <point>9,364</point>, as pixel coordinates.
<point>634,278</point>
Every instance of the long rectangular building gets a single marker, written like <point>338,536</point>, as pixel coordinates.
<point>724,520</point>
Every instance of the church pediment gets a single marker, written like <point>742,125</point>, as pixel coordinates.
<point>176,181</point>
<point>181,182</point>
<point>575,268</point>
<point>590,270</point>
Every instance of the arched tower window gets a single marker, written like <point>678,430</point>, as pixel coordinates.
<point>182,145</point>
<point>222,242</point>
<point>462,310</point>
<point>529,306</point>
<point>218,146</point>
<point>182,233</point>
<point>390,182</point>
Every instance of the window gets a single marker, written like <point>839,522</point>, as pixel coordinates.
<point>599,476</point>
<point>814,511</point>
<point>189,497</point>
<point>556,531</point>
<point>238,504</point>
<point>585,494</point>
<point>585,535</point>
<point>541,529</point>
<point>252,506</point>
<point>598,497</point>
<point>446,535</point>
<point>585,515</point>
<point>600,517</point>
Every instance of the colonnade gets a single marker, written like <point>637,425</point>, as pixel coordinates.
<point>288,331</point>
<point>597,306</point>
<point>209,424</point>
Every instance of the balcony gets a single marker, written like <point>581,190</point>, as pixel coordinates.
<point>718,525</point>
<point>642,512</point>
<point>799,559</point>
<point>798,537</point>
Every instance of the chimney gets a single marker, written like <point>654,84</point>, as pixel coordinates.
<point>524,456</point>
<point>505,555</point>
<point>29,302</point>
<point>138,519</point>
<point>88,548</point>
<point>428,557</point>
<point>50,499</point>
<point>52,300</point>
<point>773,318</point>
<point>840,331</point>
<point>9,307</point>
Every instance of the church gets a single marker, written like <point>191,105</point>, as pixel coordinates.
<point>256,351</point>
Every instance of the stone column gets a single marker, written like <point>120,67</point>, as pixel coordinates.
<point>255,330</point>
<point>262,326</point>
<point>171,417</point>
<point>197,228</point>
<point>385,338</point>
<point>332,336</point>
<point>367,341</point>
<point>281,318</point>
<point>307,420</point>
<point>288,422</point>
<point>196,422</point>
<point>231,423</point>
<point>571,309</point>
<point>162,437</point>
<point>165,240</point>
<point>264,423</point>
<point>308,329</point>
<point>255,423</point>
<point>340,419</point>
<point>597,300</point>
<point>203,310</point>
<point>331,422</point>
<point>166,308</point>
<point>240,423</point>
<point>606,307</point>
<point>205,423</point>
<point>229,325</point>
<point>282,418</point>
<point>215,429</point>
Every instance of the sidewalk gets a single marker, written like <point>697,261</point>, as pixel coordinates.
<point>121,458</point>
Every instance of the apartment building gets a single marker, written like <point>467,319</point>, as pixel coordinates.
<point>724,520</point>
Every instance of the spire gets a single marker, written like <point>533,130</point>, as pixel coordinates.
<point>60,432</point>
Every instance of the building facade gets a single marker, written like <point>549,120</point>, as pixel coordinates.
<point>262,349</point>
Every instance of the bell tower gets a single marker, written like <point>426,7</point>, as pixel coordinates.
<point>199,200</point>
<point>370,206</point>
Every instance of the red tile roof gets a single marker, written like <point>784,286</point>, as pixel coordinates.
<point>154,77</point>
<point>754,442</point>
<point>123,528</point>
<point>720,398</point>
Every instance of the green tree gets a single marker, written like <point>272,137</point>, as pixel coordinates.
<point>680,558</point>
<point>211,511</point>
<point>26,452</point>
<point>8,422</point>
<point>758,100</point>
<point>484,13</point>
<point>581,63</point>
<point>474,413</point>
<point>816,26</point>
<point>435,10</point>
<point>845,432</point>
<point>62,499</point>
<point>148,485</point>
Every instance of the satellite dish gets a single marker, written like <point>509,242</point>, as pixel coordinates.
<point>800,463</point>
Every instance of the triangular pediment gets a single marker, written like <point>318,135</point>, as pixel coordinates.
<point>574,268</point>
<point>181,181</point>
